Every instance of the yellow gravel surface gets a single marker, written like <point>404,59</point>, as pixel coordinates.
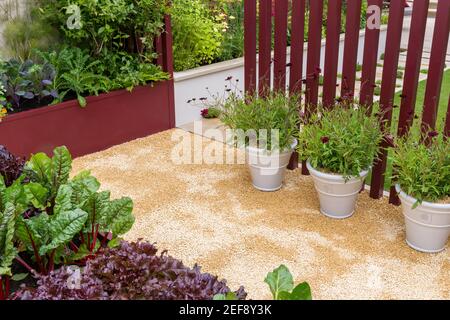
<point>211,215</point>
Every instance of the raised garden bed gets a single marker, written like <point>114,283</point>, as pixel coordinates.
<point>108,119</point>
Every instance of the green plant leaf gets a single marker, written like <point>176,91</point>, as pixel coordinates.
<point>301,292</point>
<point>36,227</point>
<point>82,101</point>
<point>63,228</point>
<point>280,279</point>
<point>97,208</point>
<point>39,168</point>
<point>83,186</point>
<point>61,167</point>
<point>7,249</point>
<point>36,194</point>
<point>19,276</point>
<point>119,218</point>
<point>229,296</point>
<point>63,200</point>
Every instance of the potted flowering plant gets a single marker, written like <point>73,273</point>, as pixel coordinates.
<point>340,146</point>
<point>423,176</point>
<point>267,127</point>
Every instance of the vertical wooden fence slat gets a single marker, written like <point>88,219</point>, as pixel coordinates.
<point>413,63</point>
<point>447,122</point>
<point>394,33</point>
<point>297,40</point>
<point>265,45</point>
<point>412,72</point>
<point>250,45</point>
<point>370,58</point>
<point>313,65</point>
<point>436,68</point>
<point>313,61</point>
<point>281,23</point>
<point>332,52</point>
<point>296,62</point>
<point>351,49</point>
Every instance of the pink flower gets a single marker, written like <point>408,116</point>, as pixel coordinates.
<point>204,113</point>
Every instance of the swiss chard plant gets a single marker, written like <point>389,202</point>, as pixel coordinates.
<point>72,214</point>
<point>8,251</point>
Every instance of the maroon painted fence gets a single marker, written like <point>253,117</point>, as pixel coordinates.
<point>260,12</point>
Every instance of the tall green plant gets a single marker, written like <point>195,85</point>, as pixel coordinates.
<point>277,113</point>
<point>344,140</point>
<point>197,35</point>
<point>423,170</point>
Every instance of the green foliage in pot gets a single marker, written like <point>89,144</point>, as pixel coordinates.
<point>423,170</point>
<point>341,141</point>
<point>276,113</point>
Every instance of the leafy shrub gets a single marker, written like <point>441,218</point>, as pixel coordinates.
<point>423,171</point>
<point>74,73</point>
<point>119,25</point>
<point>11,167</point>
<point>197,34</point>
<point>343,141</point>
<point>132,271</point>
<point>277,112</point>
<point>27,82</point>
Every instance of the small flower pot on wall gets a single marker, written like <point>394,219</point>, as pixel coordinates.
<point>268,169</point>
<point>337,196</point>
<point>427,225</point>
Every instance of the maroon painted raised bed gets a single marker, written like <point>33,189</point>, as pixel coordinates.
<point>108,119</point>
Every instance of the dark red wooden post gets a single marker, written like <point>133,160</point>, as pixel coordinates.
<point>351,49</point>
<point>281,23</point>
<point>394,34</point>
<point>265,45</point>
<point>297,40</point>
<point>167,65</point>
<point>313,60</point>
<point>332,52</point>
<point>412,72</point>
<point>296,62</point>
<point>447,122</point>
<point>370,58</point>
<point>413,63</point>
<point>250,45</point>
<point>437,61</point>
<point>314,45</point>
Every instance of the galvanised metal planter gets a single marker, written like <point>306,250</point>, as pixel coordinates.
<point>427,225</point>
<point>336,195</point>
<point>268,170</point>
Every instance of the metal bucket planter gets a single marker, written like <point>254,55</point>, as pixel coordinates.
<point>268,169</point>
<point>336,195</point>
<point>427,225</point>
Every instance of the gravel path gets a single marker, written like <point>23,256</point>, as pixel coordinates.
<point>211,215</point>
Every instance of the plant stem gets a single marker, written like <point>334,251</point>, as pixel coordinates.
<point>36,252</point>
<point>82,237</point>
<point>51,263</point>
<point>74,246</point>
<point>6,288</point>
<point>26,265</point>
<point>94,241</point>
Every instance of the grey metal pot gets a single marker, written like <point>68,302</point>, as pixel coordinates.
<point>268,169</point>
<point>337,197</point>
<point>427,225</point>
